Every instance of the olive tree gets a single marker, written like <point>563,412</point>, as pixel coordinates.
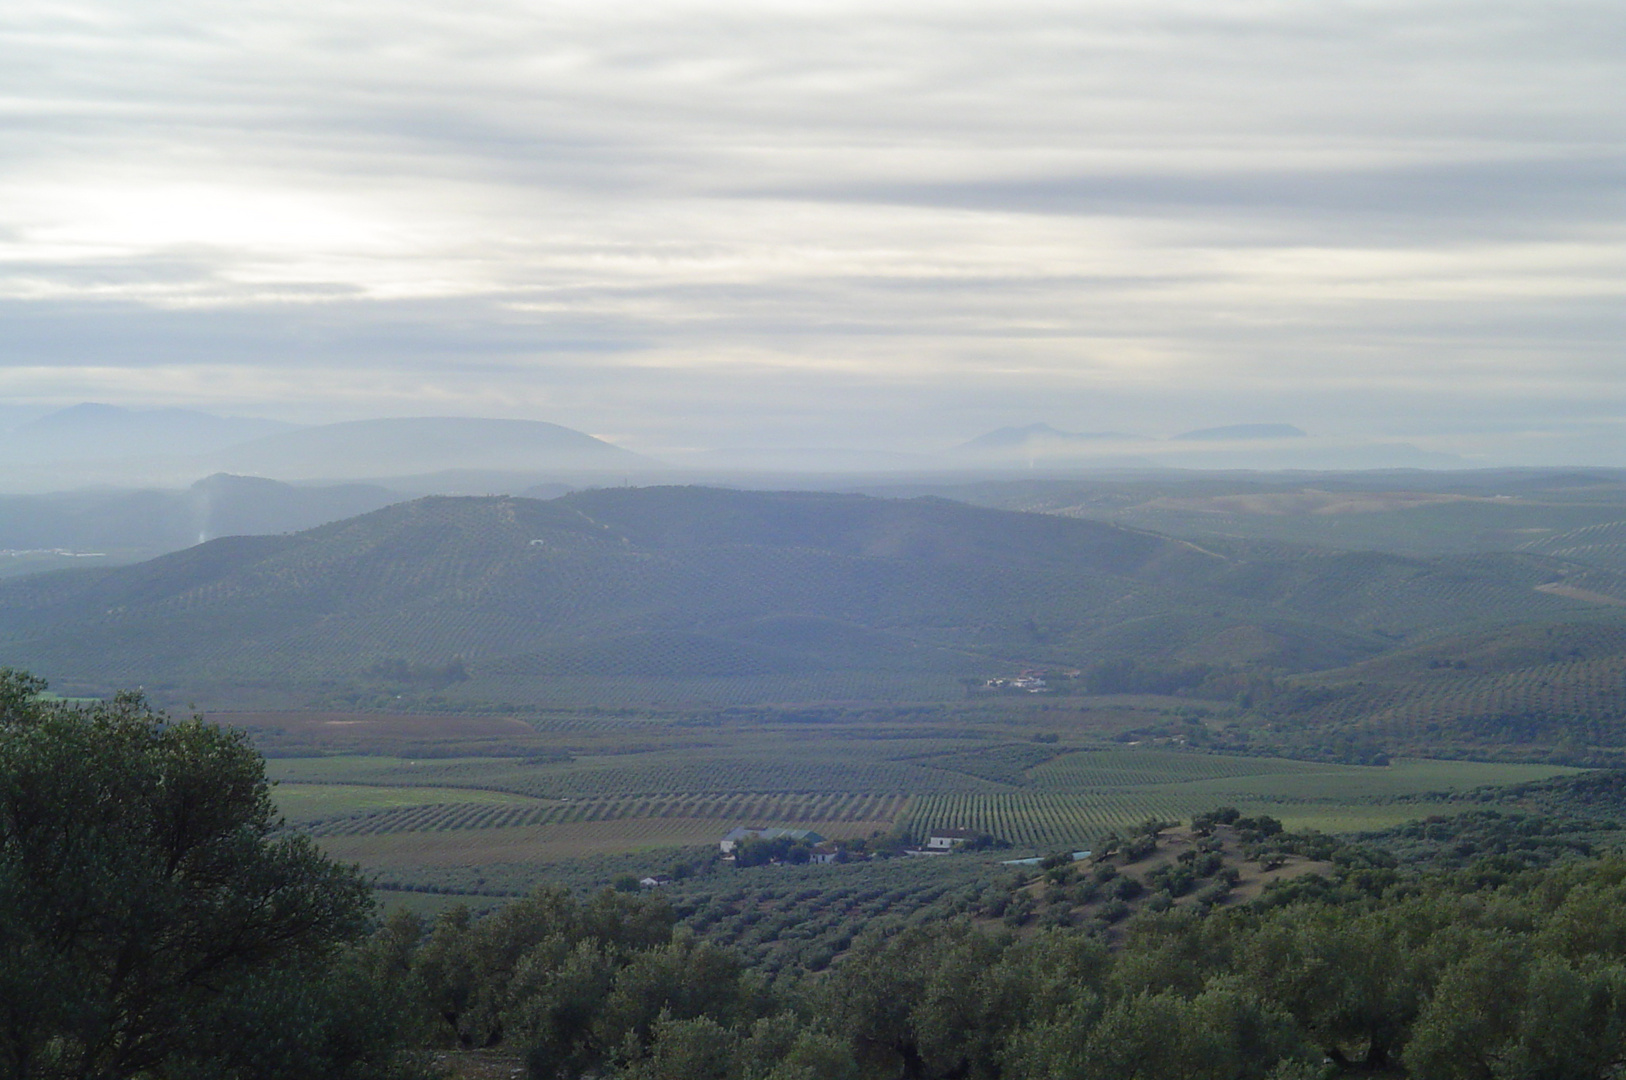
<point>155,917</point>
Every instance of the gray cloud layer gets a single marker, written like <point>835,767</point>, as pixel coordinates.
<point>708,224</point>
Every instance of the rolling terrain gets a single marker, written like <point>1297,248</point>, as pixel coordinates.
<point>467,695</point>
<point>1542,692</point>
<point>638,596</point>
<point>47,532</point>
<point>1399,512</point>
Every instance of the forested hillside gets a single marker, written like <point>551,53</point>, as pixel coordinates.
<point>705,596</point>
<point>1510,967</point>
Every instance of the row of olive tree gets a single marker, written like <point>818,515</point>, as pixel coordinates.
<point>1451,977</point>
<point>1442,981</point>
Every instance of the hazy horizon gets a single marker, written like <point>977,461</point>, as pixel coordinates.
<point>700,227</point>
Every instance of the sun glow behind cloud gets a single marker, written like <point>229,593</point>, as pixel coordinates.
<point>793,221</point>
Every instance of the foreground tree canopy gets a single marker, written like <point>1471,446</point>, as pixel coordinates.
<point>154,920</point>
<point>1515,976</point>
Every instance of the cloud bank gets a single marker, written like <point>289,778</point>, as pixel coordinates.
<point>699,224</point>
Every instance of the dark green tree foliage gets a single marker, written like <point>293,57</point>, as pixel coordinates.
<point>948,1000</point>
<point>475,973</point>
<point>153,920</point>
<point>755,851</point>
<point>577,986</point>
<point>1452,976</point>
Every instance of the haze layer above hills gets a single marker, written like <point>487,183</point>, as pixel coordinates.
<point>103,445</point>
<point>92,445</point>
<point>126,525</point>
<point>703,596</point>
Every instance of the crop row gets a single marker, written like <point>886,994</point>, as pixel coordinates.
<point>1593,689</point>
<point>767,771</point>
<point>1038,820</point>
<point>750,808</point>
<point>1087,769</point>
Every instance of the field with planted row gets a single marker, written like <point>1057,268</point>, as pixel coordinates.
<point>1043,821</point>
<point>647,793</point>
<point>1579,700</point>
<point>1151,768</point>
<point>305,803</point>
<point>399,853</point>
<point>1036,820</point>
<point>827,765</point>
<point>405,820</point>
<point>743,808</point>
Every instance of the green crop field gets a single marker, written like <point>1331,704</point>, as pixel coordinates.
<point>776,809</point>
<point>644,787</point>
<point>310,802</point>
<point>1086,794</point>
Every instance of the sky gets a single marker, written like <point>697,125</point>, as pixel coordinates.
<point>890,227</point>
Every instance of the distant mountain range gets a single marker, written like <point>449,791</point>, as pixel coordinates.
<point>91,432</point>
<point>693,595</point>
<point>103,444</point>
<point>404,447</point>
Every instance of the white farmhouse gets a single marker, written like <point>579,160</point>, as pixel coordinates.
<point>947,839</point>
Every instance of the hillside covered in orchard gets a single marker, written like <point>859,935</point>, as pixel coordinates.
<point>694,595</point>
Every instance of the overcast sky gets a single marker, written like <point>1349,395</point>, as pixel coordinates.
<point>880,225</point>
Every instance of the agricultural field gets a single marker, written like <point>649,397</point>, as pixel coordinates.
<point>305,804</point>
<point>646,791</point>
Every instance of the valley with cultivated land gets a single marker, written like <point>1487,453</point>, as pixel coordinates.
<point>468,694</point>
<point>716,541</point>
<point>467,697</point>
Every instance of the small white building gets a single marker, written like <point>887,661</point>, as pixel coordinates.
<point>947,839</point>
